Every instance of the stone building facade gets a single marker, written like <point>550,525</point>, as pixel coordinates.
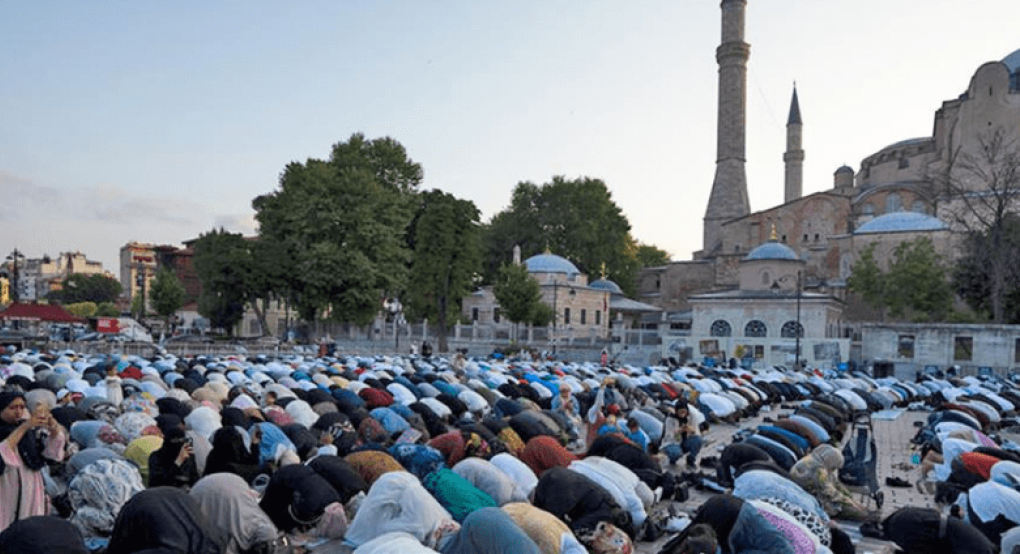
<point>911,348</point>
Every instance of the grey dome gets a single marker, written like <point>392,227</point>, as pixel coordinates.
<point>898,222</point>
<point>550,263</point>
<point>1012,61</point>
<point>845,169</point>
<point>772,250</point>
<point>606,284</point>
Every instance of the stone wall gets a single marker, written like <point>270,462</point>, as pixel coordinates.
<point>941,345</point>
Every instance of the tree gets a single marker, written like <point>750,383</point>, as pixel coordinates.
<point>444,236</point>
<point>651,256</point>
<point>981,189</point>
<point>80,287</point>
<point>576,219</point>
<point>972,276</point>
<point>867,280</point>
<point>138,305</point>
<point>82,309</point>
<point>917,282</point>
<point>916,285</point>
<point>519,295</point>
<point>222,262</point>
<point>341,224</point>
<point>107,309</point>
<point>166,294</point>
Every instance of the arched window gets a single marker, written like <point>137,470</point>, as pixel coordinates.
<point>766,279</point>
<point>721,328</point>
<point>755,328</point>
<point>893,203</point>
<point>919,207</point>
<point>868,208</point>
<point>792,330</point>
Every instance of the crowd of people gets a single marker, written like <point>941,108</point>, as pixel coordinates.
<point>455,455</point>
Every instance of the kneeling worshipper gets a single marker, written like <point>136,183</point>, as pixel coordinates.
<point>37,534</point>
<point>229,504</point>
<point>164,519</point>
<point>926,531</point>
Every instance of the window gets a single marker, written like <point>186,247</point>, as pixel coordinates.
<point>816,237</point>
<point>598,317</point>
<point>766,279</point>
<point>755,328</point>
<point>720,328</point>
<point>919,207</point>
<point>584,316</point>
<point>904,163</point>
<point>963,349</point>
<point>495,315</point>
<point>805,238</point>
<point>792,330</point>
<point>474,314</point>
<point>783,240</point>
<point>905,346</point>
<point>566,316</point>
<point>893,203</point>
<point>868,209</point>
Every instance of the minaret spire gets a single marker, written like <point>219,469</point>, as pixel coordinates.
<point>794,156</point>
<point>729,189</point>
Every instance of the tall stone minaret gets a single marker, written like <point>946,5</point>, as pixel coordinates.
<point>729,190</point>
<point>794,156</point>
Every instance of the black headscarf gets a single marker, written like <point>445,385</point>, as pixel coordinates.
<point>30,447</point>
<point>49,534</point>
<point>230,455</point>
<point>163,519</point>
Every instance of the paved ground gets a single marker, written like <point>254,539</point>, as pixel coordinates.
<point>894,460</point>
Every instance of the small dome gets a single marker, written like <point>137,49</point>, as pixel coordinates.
<point>1012,61</point>
<point>550,263</point>
<point>772,250</point>
<point>898,222</point>
<point>606,284</point>
<point>845,169</point>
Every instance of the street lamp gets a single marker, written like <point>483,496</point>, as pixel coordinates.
<point>800,329</point>
<point>556,313</point>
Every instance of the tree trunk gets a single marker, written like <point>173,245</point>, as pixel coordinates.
<point>443,345</point>
<point>260,314</point>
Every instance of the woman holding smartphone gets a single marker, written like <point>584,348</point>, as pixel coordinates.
<point>27,440</point>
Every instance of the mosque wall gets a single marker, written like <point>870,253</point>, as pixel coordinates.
<point>913,346</point>
<point>668,287</point>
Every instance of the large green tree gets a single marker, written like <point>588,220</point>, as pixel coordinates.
<point>972,275</point>
<point>576,219</point>
<point>223,264</point>
<point>519,295</point>
<point>341,223</point>
<point>915,286</point>
<point>166,295</point>
<point>444,236</point>
<point>651,256</point>
<point>79,287</point>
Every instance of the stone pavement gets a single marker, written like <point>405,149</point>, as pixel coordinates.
<point>894,460</point>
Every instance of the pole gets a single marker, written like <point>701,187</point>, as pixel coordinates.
<point>799,327</point>
<point>15,293</point>
<point>555,313</point>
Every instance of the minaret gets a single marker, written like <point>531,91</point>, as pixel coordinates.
<point>729,189</point>
<point>794,156</point>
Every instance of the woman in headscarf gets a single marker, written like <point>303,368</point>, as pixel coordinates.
<point>98,492</point>
<point>173,465</point>
<point>230,454</point>
<point>550,534</point>
<point>926,531</point>
<point>138,453</point>
<point>544,452</point>
<point>739,527</point>
<point>490,531</point>
<point>231,505</point>
<point>164,520</point>
<point>41,534</point>
<point>817,474</point>
<point>580,502</point>
<point>27,440</point>
<point>397,502</point>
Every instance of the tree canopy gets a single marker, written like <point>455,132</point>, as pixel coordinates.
<point>972,277</point>
<point>444,236</point>
<point>519,295</point>
<point>576,219</point>
<point>341,224</point>
<point>166,294</point>
<point>223,264</point>
<point>80,287</point>
<point>915,286</point>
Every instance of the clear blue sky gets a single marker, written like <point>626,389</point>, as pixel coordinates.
<point>156,120</point>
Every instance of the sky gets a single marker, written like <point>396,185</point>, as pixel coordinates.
<point>156,121</point>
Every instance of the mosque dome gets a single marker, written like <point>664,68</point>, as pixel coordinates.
<point>550,263</point>
<point>772,250</point>
<point>607,285</point>
<point>899,222</point>
<point>845,169</point>
<point>1012,62</point>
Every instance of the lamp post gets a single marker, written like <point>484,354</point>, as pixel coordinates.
<point>556,314</point>
<point>799,329</point>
